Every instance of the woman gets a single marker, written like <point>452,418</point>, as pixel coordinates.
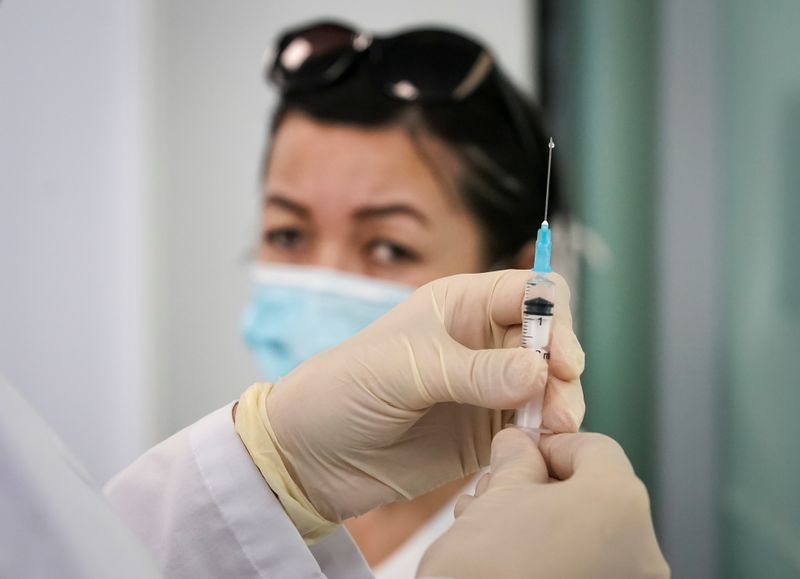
<point>391,162</point>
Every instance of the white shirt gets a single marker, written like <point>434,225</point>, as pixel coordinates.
<point>403,562</point>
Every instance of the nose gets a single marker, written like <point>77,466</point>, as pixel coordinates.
<point>332,254</point>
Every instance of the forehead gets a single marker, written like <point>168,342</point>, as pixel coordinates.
<point>352,163</point>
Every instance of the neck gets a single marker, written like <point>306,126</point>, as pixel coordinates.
<point>382,531</point>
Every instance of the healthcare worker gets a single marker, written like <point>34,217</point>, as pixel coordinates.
<point>257,489</point>
<point>391,162</point>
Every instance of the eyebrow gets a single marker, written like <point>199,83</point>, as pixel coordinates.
<point>288,204</point>
<point>362,214</point>
<point>390,210</point>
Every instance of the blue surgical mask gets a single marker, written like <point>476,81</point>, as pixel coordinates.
<point>299,311</point>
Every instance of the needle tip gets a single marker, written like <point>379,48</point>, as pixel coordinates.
<point>551,144</point>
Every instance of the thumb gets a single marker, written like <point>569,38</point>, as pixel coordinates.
<point>497,379</point>
<point>516,460</point>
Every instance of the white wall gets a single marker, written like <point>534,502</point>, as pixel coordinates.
<point>130,136</point>
<point>72,305</point>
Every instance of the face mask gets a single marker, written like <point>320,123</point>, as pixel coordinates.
<point>299,311</point>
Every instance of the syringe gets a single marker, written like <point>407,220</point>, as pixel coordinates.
<point>537,313</point>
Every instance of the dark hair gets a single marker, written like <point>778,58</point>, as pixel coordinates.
<point>500,180</point>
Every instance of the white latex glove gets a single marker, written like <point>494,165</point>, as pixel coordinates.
<point>593,521</point>
<point>400,408</point>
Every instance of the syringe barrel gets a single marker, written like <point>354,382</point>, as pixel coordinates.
<point>537,321</point>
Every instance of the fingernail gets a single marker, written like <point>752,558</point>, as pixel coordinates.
<point>533,433</point>
<point>578,355</point>
<point>531,370</point>
<point>541,376</point>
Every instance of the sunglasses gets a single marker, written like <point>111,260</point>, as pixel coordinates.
<point>425,65</point>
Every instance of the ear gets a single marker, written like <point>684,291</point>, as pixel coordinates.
<point>524,257</point>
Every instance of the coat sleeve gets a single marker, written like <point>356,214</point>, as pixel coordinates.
<point>199,502</point>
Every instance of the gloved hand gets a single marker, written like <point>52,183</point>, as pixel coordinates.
<point>593,521</point>
<point>401,407</point>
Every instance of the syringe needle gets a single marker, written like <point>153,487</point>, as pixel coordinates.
<point>551,145</point>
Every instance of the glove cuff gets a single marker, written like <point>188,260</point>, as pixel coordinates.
<point>253,427</point>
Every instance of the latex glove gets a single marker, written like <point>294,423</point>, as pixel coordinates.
<point>594,521</point>
<point>400,408</point>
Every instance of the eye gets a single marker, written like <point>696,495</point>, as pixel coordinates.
<point>386,252</point>
<point>283,237</point>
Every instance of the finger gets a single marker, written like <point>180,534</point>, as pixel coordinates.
<point>483,484</point>
<point>561,307</point>
<point>505,298</point>
<point>584,455</point>
<point>515,461</point>
<point>495,379</point>
<point>512,338</point>
<point>462,503</point>
<point>567,359</point>
<point>564,406</point>
<point>478,309</point>
<point>502,291</point>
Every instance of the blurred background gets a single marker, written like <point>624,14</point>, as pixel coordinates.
<point>130,137</point>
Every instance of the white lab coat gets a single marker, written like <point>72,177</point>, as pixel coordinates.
<point>196,501</point>
<point>201,505</point>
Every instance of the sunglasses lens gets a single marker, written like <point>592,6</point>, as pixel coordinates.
<point>430,65</point>
<point>313,56</point>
